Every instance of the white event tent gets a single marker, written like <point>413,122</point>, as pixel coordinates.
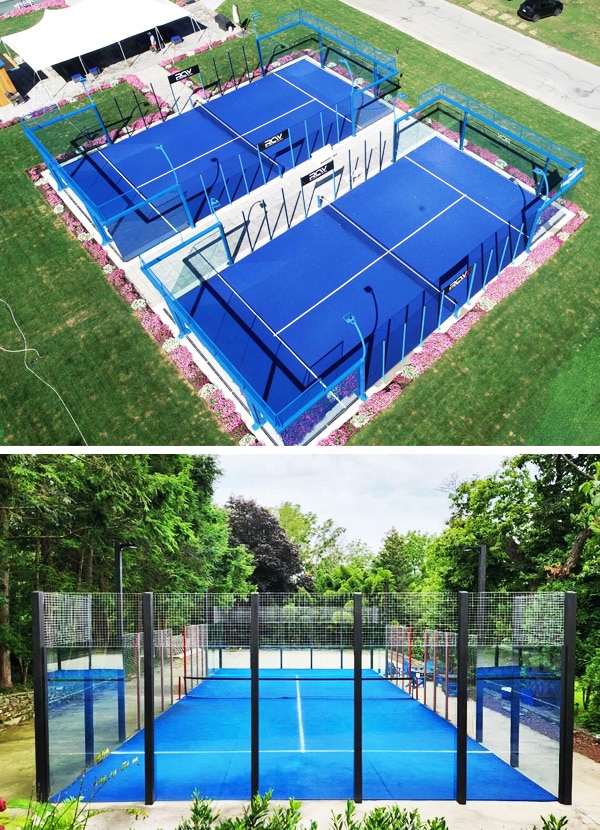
<point>88,25</point>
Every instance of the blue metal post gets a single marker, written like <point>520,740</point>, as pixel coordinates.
<point>501,263</point>
<point>307,139</point>
<point>423,312</point>
<point>255,17</point>
<point>471,282</point>
<point>186,208</point>
<point>262,169</point>
<point>441,311</point>
<point>225,244</point>
<point>487,270</point>
<point>353,126</point>
<point>244,174</point>
<point>224,182</point>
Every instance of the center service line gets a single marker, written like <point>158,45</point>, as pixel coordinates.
<point>300,721</point>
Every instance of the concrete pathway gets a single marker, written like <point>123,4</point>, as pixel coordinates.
<point>146,66</point>
<point>556,78</point>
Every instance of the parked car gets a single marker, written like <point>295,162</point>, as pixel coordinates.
<point>536,9</point>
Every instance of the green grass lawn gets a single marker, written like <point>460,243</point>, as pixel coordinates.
<point>524,375</point>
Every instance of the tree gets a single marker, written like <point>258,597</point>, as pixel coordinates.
<point>277,563</point>
<point>61,514</point>
<point>7,502</point>
<point>403,557</point>
<point>527,513</point>
<point>319,544</point>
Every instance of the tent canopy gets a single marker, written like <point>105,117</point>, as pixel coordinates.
<point>87,26</point>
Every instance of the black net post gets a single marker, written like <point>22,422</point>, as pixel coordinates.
<point>567,702</point>
<point>358,761</point>
<point>40,700</point>
<point>149,760</point>
<point>462,657</point>
<point>254,691</point>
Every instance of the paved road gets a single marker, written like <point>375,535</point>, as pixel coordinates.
<point>560,80</point>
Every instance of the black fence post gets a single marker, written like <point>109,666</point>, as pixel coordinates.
<point>149,760</point>
<point>358,741</point>
<point>40,700</point>
<point>567,702</point>
<point>461,696</point>
<point>515,721</point>
<point>254,692</point>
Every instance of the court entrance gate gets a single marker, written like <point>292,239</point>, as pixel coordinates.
<point>402,696</point>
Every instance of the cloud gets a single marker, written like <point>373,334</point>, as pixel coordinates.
<point>367,493</point>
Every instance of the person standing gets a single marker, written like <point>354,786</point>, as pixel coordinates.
<point>153,43</point>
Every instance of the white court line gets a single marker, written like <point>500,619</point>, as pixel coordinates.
<point>232,140</point>
<point>312,98</point>
<point>299,713</point>
<point>456,189</point>
<point>268,327</point>
<point>139,192</point>
<point>366,268</point>
<point>309,752</point>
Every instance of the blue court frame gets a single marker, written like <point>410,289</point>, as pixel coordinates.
<point>384,65</point>
<point>569,165</point>
<point>310,321</point>
<point>141,192</point>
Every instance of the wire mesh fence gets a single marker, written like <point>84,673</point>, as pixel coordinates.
<point>98,672</point>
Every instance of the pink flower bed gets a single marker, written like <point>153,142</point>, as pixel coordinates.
<point>43,4</point>
<point>438,343</point>
<point>433,348</point>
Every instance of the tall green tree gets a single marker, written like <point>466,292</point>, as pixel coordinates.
<point>528,515</point>
<point>320,544</point>
<point>403,555</point>
<point>60,516</point>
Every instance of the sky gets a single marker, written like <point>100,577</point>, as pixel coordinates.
<point>367,493</point>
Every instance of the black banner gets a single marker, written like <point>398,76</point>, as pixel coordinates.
<point>458,280</point>
<point>274,139</point>
<point>316,174</point>
<point>184,74</point>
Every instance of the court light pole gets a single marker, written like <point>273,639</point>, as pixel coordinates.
<point>119,548</point>
<point>539,172</point>
<point>351,320</point>
<point>481,585</point>
<point>179,188</point>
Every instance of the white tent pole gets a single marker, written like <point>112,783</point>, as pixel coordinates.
<point>123,53</point>
<point>49,94</point>
<point>82,64</point>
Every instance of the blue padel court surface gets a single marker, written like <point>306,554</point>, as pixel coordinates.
<point>212,150</point>
<point>306,740</point>
<point>385,253</point>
